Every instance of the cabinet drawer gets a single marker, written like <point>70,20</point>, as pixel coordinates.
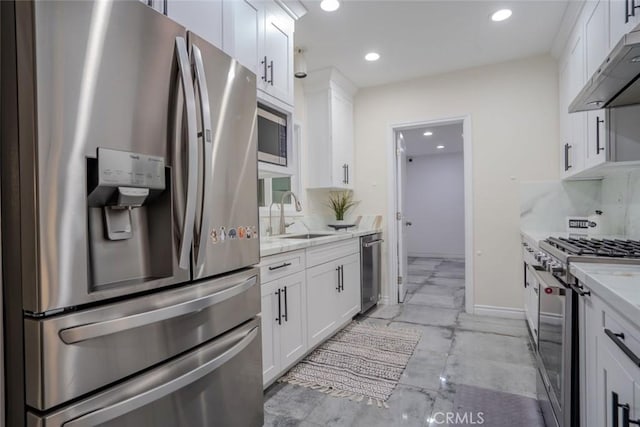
<point>615,324</point>
<point>331,251</point>
<point>281,265</point>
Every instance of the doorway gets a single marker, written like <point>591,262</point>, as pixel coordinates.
<point>431,203</point>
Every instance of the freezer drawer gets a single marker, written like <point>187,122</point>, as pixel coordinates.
<point>217,384</point>
<point>71,355</point>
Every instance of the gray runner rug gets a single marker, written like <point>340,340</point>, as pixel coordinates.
<point>361,362</point>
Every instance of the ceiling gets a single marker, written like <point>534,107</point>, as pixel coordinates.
<point>417,144</point>
<point>423,37</point>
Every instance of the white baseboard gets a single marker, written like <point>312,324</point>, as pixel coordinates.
<point>384,300</point>
<point>504,312</point>
<point>435,255</point>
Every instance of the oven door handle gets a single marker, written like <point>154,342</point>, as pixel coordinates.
<point>90,331</point>
<point>549,281</point>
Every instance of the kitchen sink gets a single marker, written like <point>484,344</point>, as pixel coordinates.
<point>306,236</point>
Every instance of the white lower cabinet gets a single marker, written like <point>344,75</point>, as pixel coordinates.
<point>284,329</point>
<point>322,295</point>
<point>610,378</point>
<point>310,295</point>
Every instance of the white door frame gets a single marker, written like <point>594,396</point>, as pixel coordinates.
<point>392,185</point>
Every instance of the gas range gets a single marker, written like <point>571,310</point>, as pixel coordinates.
<point>557,253</point>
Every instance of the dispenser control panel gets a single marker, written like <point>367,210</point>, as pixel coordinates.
<point>122,168</point>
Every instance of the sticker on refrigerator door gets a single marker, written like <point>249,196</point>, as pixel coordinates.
<point>223,234</point>
<point>214,236</point>
<point>241,233</point>
<point>232,234</point>
<point>249,232</point>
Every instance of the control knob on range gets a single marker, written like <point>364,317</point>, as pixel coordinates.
<point>540,256</point>
<point>556,267</point>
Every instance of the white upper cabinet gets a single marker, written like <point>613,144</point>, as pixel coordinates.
<point>241,31</point>
<point>276,53</point>
<point>329,97</point>
<point>624,15</point>
<point>203,17</point>
<point>597,138</point>
<point>596,35</point>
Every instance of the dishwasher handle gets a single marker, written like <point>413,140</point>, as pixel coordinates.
<point>372,243</point>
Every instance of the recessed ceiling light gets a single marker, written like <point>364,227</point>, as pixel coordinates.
<point>329,5</point>
<point>372,56</point>
<point>501,15</point>
<point>440,147</point>
<point>427,133</point>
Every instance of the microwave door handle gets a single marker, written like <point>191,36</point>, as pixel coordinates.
<point>123,407</point>
<point>192,152</point>
<point>205,111</point>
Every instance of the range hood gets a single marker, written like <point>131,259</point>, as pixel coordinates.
<point>616,83</point>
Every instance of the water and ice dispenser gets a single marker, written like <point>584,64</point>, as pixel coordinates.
<point>129,211</point>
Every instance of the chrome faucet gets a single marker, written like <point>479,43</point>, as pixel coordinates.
<point>270,228</point>
<point>283,227</point>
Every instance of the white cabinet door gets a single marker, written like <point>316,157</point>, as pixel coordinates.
<point>577,121</point>
<point>617,379</point>
<point>243,20</point>
<point>596,34</point>
<point>532,287</point>
<point>293,331</point>
<point>597,138</point>
<point>278,51</point>
<point>203,17</point>
<point>622,18</point>
<point>270,339</point>
<point>322,301</point>
<point>342,140</point>
<point>349,296</point>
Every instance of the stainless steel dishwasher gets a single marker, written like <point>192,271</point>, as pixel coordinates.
<point>370,273</point>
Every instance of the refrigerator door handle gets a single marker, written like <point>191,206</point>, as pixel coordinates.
<point>192,152</point>
<point>205,115</point>
<point>123,407</point>
<point>90,331</point>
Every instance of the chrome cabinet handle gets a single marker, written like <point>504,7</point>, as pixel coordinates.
<point>207,149</point>
<point>617,339</point>
<point>145,397</point>
<point>90,331</point>
<point>192,153</point>
<point>347,173</point>
<point>338,270</point>
<point>342,278</point>
<point>567,166</point>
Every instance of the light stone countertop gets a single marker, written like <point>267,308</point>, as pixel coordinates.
<point>535,237</point>
<point>618,285</point>
<point>277,245</point>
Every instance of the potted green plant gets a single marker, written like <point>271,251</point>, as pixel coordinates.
<point>340,202</point>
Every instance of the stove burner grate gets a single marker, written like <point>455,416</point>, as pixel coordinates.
<point>614,248</point>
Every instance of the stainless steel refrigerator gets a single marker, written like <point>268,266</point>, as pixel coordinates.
<point>129,177</point>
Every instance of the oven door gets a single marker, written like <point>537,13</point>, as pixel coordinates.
<point>556,345</point>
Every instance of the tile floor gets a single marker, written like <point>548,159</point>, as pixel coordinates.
<point>463,364</point>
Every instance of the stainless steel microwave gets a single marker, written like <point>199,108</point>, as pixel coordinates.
<point>272,136</point>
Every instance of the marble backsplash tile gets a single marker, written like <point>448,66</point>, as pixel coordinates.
<point>544,205</point>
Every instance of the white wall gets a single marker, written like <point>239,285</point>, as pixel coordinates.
<point>435,205</point>
<point>515,135</point>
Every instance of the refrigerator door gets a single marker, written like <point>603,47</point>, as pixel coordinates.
<point>226,235</point>
<point>217,384</point>
<point>111,75</point>
<point>71,355</point>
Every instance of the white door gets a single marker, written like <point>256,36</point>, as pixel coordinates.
<point>349,295</point>
<point>401,162</point>
<point>293,331</point>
